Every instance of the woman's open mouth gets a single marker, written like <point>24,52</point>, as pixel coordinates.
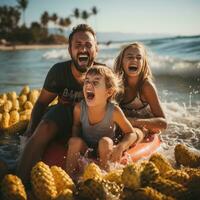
<point>132,68</point>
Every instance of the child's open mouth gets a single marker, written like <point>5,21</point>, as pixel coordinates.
<point>90,95</point>
<point>132,68</point>
<point>83,58</point>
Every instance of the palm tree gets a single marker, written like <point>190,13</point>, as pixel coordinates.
<point>23,5</point>
<point>61,24</point>
<point>76,13</point>
<point>54,18</point>
<point>64,22</point>
<point>94,10</point>
<point>85,15</point>
<point>9,18</point>
<point>14,17</point>
<point>67,22</point>
<point>44,19</point>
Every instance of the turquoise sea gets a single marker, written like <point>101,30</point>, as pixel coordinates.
<point>175,62</point>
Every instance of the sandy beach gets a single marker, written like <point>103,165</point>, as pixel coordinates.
<point>31,47</point>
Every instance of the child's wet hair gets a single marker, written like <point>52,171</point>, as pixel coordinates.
<point>145,72</point>
<point>112,80</point>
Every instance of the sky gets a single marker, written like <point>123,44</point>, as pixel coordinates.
<point>176,17</point>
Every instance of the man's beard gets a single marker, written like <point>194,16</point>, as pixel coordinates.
<point>79,68</point>
<point>82,69</point>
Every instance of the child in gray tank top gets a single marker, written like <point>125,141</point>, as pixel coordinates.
<point>95,119</point>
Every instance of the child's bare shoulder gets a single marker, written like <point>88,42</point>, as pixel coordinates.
<point>117,110</point>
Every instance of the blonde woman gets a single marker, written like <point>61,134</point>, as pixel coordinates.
<point>140,101</point>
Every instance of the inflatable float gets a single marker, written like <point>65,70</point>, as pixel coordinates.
<point>55,154</point>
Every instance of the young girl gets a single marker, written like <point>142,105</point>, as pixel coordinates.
<point>140,101</point>
<point>95,118</point>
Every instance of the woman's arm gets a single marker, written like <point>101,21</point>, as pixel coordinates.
<point>76,121</point>
<point>156,123</point>
<point>131,135</point>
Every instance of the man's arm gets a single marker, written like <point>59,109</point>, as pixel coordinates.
<point>76,121</point>
<point>39,108</point>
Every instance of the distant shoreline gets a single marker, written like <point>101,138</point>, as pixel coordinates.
<point>31,47</point>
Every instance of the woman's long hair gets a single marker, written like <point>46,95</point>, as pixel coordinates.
<point>145,72</point>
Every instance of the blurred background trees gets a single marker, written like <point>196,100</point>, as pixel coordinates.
<point>22,4</point>
<point>38,32</point>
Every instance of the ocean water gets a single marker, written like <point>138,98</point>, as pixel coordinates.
<point>175,64</point>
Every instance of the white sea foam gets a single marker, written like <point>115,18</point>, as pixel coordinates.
<point>22,141</point>
<point>56,54</point>
<point>183,127</point>
<point>166,65</point>
<point>160,64</point>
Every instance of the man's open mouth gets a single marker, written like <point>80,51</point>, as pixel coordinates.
<point>83,58</point>
<point>90,95</point>
<point>132,68</point>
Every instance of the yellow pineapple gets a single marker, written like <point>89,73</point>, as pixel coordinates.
<point>22,99</point>
<point>2,101</point>
<point>149,173</point>
<point>184,156</point>
<point>16,128</point>
<point>149,193</point>
<point>3,96</point>
<point>15,104</point>
<point>12,188</point>
<point>191,171</point>
<point>42,181</point>
<point>91,189</point>
<point>178,176</point>
<point>142,164</point>
<point>5,120</point>
<point>33,96</point>
<point>170,188</point>
<point>112,188</point>
<point>114,176</point>
<point>11,95</point>
<point>161,163</point>
<point>131,176</point>
<point>28,105</point>
<point>25,90</point>
<point>92,171</point>
<point>66,194</point>
<point>25,115</point>
<point>62,179</point>
<point>14,117</point>
<point>7,106</point>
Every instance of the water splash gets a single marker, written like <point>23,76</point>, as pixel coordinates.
<point>85,159</point>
